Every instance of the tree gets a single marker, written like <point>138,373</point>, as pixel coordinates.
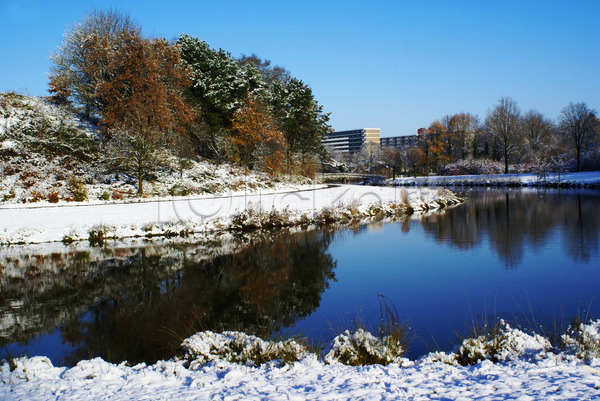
<point>435,140</point>
<point>219,88</point>
<point>81,62</point>
<point>144,106</point>
<point>578,122</point>
<point>370,156</point>
<point>504,125</point>
<point>300,118</point>
<point>256,139</point>
<point>416,159</point>
<point>461,130</point>
<point>540,144</point>
<point>392,159</point>
<point>270,74</point>
<point>537,131</point>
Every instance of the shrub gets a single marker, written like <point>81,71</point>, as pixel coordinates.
<point>118,194</point>
<point>583,340</point>
<point>501,343</point>
<point>77,188</point>
<point>180,190</point>
<point>53,197</point>
<point>10,195</point>
<point>98,235</point>
<point>36,196</point>
<point>237,347</point>
<point>104,196</point>
<point>477,167</point>
<point>363,348</point>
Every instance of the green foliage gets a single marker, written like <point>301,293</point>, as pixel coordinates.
<point>300,116</point>
<point>77,188</point>
<point>219,88</point>
<point>10,195</point>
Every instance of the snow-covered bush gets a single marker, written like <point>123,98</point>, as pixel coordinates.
<point>363,348</point>
<point>502,343</point>
<point>583,340</point>
<point>477,167</point>
<point>237,347</point>
<point>484,167</point>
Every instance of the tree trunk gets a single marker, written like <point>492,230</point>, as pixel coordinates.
<point>140,174</point>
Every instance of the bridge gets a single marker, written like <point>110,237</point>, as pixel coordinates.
<point>371,179</point>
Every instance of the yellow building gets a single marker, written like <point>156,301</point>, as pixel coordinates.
<point>348,142</point>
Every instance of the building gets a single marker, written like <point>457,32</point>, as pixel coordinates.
<point>400,142</point>
<point>349,142</point>
<point>404,142</point>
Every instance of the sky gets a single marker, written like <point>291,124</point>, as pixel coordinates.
<point>394,65</point>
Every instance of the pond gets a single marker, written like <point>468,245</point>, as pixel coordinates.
<point>530,257</point>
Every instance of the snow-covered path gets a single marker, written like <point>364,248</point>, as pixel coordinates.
<point>45,223</point>
<point>549,379</point>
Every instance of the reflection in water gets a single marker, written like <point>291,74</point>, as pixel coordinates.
<point>515,220</point>
<point>506,250</point>
<point>138,304</point>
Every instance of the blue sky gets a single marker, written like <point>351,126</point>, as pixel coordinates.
<point>396,65</point>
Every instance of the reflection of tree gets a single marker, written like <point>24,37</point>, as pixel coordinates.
<point>512,220</point>
<point>581,237</point>
<point>140,305</point>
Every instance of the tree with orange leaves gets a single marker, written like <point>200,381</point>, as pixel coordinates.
<point>255,139</point>
<point>144,108</point>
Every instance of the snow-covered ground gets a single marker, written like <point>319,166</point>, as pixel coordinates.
<point>527,371</point>
<point>582,179</point>
<point>44,222</point>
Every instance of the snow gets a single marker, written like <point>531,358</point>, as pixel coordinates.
<point>581,179</point>
<point>199,214</point>
<point>550,376</point>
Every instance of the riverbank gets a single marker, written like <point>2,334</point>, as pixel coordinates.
<point>526,368</point>
<point>589,180</point>
<point>185,216</point>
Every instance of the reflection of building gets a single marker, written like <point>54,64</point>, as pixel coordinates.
<point>351,141</point>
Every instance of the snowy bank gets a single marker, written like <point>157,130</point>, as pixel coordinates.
<point>527,371</point>
<point>209,214</point>
<point>566,180</point>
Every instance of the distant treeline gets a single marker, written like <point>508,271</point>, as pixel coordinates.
<point>507,140</point>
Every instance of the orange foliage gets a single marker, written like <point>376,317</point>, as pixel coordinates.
<point>143,102</point>
<point>255,139</point>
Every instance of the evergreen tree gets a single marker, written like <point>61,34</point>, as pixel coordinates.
<point>300,118</point>
<point>219,88</point>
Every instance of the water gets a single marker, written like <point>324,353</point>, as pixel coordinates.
<point>530,257</point>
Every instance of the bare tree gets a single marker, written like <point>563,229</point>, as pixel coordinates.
<point>504,125</point>
<point>537,131</point>
<point>578,122</point>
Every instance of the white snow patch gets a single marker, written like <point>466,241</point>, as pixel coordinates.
<point>201,214</point>
<point>554,377</point>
